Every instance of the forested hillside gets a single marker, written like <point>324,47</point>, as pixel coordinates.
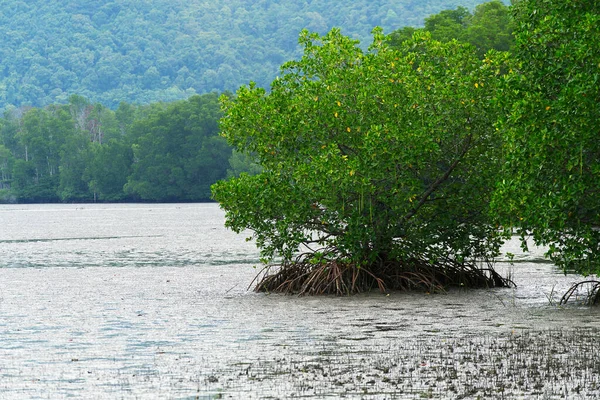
<point>142,51</point>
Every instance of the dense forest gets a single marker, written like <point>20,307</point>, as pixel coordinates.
<point>82,151</point>
<point>141,51</point>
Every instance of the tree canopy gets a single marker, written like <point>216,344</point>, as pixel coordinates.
<point>177,151</point>
<point>83,152</point>
<point>379,164</point>
<point>551,181</point>
<point>490,26</point>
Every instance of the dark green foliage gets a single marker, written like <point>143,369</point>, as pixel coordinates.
<point>449,24</point>
<point>551,185</point>
<point>178,153</point>
<point>108,168</point>
<point>81,152</point>
<point>147,51</point>
<point>74,155</point>
<point>489,27</point>
<point>242,163</point>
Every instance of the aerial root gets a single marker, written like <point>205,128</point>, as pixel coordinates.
<point>305,277</point>
<point>590,297</point>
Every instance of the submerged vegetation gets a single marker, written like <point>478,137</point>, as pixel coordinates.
<point>549,364</point>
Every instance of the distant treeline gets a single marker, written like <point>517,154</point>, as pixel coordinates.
<point>83,152</point>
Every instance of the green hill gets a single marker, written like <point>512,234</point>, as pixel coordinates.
<point>143,51</point>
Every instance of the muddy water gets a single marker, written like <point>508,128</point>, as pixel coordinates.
<point>150,301</point>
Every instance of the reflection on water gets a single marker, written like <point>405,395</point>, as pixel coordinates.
<point>158,308</point>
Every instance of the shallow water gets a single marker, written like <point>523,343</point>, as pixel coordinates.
<point>151,301</point>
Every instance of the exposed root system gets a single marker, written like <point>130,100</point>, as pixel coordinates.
<point>588,291</point>
<point>305,277</point>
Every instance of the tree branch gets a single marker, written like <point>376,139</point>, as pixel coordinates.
<point>435,185</point>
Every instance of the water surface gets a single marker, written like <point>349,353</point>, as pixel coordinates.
<point>151,301</point>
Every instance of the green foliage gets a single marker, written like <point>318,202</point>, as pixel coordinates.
<point>108,168</point>
<point>73,158</point>
<point>448,24</point>
<point>242,163</point>
<point>147,51</point>
<point>85,152</point>
<point>389,154</point>
<point>178,153</point>
<point>552,171</point>
<point>6,167</point>
<point>42,134</point>
<point>489,27</point>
